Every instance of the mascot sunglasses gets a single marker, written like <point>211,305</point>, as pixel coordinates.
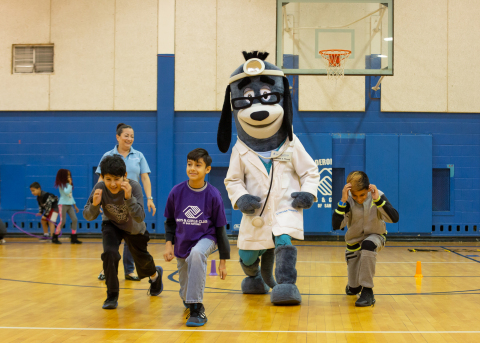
<point>265,99</point>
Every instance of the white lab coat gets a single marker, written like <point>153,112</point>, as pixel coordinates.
<point>247,175</point>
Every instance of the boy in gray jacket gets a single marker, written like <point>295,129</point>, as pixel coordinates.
<point>122,203</point>
<point>364,210</point>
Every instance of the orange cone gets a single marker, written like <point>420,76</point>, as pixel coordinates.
<point>418,272</point>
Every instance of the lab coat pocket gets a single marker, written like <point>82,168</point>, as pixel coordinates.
<point>290,217</point>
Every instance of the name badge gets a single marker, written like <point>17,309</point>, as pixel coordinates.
<point>285,157</point>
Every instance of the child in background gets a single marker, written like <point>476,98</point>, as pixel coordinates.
<point>364,210</point>
<point>3,231</point>
<point>66,204</point>
<point>195,222</point>
<point>48,209</point>
<point>124,215</point>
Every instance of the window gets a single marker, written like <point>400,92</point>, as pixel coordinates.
<point>29,59</point>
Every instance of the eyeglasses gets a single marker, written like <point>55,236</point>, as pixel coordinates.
<point>265,99</point>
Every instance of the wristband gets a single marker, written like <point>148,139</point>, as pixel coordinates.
<point>342,204</point>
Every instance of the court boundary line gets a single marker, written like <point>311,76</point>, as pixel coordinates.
<point>195,330</point>
<point>235,291</point>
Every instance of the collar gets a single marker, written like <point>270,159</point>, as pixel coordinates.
<point>132,150</point>
<point>243,148</point>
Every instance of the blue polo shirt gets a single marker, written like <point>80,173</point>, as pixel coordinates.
<point>135,162</point>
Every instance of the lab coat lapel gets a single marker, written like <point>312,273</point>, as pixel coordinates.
<point>255,160</point>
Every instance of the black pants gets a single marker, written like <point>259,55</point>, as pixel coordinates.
<point>112,237</point>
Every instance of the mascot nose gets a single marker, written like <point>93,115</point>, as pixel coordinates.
<point>260,115</point>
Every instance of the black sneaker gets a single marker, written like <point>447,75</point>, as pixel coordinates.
<point>156,287</point>
<point>197,316</point>
<point>112,301</point>
<point>353,291</point>
<point>366,298</point>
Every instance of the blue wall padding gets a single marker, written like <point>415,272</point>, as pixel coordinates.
<point>12,187</point>
<point>319,217</point>
<point>47,141</point>
<point>415,183</point>
<point>381,166</point>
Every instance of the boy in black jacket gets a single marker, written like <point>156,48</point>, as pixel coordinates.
<point>47,208</point>
<point>364,210</point>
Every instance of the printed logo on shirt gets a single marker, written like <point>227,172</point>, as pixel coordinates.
<point>119,212</point>
<point>192,212</point>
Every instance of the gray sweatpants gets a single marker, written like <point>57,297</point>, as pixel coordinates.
<point>64,209</point>
<point>361,263</point>
<point>192,271</point>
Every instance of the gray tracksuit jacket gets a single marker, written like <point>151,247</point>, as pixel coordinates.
<point>365,219</point>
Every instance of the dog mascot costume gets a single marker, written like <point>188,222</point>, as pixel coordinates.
<point>271,178</point>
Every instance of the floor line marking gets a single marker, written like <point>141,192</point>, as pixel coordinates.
<point>240,331</point>
<point>95,258</point>
<point>477,261</point>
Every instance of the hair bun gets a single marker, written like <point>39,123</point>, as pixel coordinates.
<point>120,125</point>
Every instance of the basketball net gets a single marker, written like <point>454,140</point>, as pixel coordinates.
<point>335,60</point>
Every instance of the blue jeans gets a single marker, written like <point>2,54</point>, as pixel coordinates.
<point>192,271</point>
<point>128,264</point>
<point>250,256</point>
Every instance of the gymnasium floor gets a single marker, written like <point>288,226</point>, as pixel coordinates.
<point>51,294</point>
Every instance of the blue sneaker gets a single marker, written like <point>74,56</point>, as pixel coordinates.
<point>197,316</point>
<point>156,287</point>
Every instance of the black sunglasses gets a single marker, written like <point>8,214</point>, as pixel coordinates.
<point>246,102</point>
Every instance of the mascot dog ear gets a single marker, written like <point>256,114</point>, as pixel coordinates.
<point>224,134</point>
<point>287,109</point>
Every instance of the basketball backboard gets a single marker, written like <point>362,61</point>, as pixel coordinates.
<point>305,27</point>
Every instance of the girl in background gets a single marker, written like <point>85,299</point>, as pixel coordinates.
<point>66,204</point>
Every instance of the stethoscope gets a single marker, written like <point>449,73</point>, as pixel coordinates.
<point>258,221</point>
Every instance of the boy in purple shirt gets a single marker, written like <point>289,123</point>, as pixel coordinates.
<point>195,224</point>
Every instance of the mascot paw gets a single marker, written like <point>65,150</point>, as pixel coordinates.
<point>302,200</point>
<point>285,294</point>
<point>248,203</point>
<point>254,285</point>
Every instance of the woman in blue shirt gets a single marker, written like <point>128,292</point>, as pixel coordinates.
<point>137,169</point>
<point>66,204</point>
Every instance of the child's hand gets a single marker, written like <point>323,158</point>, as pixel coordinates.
<point>38,214</point>
<point>373,189</point>
<point>76,209</point>
<point>345,191</point>
<point>168,255</point>
<point>97,197</point>
<point>127,189</point>
<point>222,269</point>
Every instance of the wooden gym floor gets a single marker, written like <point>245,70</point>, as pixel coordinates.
<point>50,293</point>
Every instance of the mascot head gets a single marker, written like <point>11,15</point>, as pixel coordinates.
<point>259,94</point>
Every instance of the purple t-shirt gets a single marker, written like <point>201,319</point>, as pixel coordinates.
<point>196,214</point>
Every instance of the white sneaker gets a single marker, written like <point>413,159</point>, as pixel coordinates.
<point>2,241</point>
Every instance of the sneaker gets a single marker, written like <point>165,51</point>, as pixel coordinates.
<point>112,301</point>
<point>156,287</point>
<point>197,316</point>
<point>366,298</point>
<point>44,237</point>
<point>353,291</point>
<point>2,241</point>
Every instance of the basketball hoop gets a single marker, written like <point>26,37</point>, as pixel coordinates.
<point>335,60</point>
